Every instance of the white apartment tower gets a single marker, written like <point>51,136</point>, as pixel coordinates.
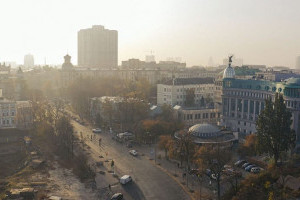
<point>28,61</point>
<point>97,47</point>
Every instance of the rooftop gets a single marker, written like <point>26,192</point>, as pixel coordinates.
<point>190,81</point>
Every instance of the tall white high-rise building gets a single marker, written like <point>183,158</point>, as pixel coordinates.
<point>97,47</point>
<point>28,61</point>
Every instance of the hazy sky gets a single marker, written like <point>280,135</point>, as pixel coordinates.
<point>259,31</point>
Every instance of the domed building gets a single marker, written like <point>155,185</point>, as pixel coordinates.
<point>209,134</point>
<point>204,130</point>
<point>229,72</point>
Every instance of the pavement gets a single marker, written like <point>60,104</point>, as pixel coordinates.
<point>149,181</point>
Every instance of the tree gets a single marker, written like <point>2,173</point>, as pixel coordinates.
<point>274,132</point>
<point>64,130</point>
<point>190,97</point>
<point>214,158</point>
<point>164,143</point>
<point>249,148</point>
<point>166,113</point>
<point>186,147</point>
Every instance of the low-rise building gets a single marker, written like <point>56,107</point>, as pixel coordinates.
<point>15,114</point>
<point>194,115</point>
<point>174,92</point>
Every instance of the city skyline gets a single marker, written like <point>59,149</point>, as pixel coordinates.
<point>216,28</point>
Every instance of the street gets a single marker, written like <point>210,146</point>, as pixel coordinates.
<point>149,182</point>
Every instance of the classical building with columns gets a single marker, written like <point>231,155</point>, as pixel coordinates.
<point>243,100</point>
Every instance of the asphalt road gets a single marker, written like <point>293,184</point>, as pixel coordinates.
<point>149,182</point>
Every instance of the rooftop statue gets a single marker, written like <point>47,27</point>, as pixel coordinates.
<point>230,59</point>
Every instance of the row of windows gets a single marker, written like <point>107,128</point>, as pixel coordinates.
<point>248,94</point>
<point>7,114</point>
<point>196,95</point>
<point>201,115</point>
<point>7,121</point>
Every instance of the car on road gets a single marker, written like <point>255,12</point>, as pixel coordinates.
<point>255,170</point>
<point>117,196</point>
<point>133,152</point>
<point>125,179</point>
<point>248,168</point>
<point>97,130</point>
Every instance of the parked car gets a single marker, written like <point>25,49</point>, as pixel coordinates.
<point>246,165</point>
<point>125,179</point>
<point>248,168</point>
<point>117,196</point>
<point>97,130</point>
<point>255,170</point>
<point>240,163</point>
<point>133,152</point>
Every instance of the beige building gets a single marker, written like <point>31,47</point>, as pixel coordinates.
<point>98,47</point>
<point>192,116</point>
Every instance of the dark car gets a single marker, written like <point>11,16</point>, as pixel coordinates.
<point>117,196</point>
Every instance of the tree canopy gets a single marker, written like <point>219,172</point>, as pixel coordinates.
<point>274,132</point>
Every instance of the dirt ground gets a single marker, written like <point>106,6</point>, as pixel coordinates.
<point>52,177</point>
<point>12,152</point>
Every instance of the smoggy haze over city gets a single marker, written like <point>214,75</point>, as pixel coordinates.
<point>260,32</point>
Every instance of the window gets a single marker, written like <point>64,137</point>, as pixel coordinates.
<point>245,106</point>
<point>245,123</point>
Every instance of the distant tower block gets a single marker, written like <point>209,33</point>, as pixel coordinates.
<point>150,58</point>
<point>28,61</point>
<point>297,66</point>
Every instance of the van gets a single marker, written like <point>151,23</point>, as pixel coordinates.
<point>125,179</point>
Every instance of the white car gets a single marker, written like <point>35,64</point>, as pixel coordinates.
<point>97,130</point>
<point>125,179</point>
<point>133,152</point>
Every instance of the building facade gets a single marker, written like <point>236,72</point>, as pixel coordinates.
<point>28,61</point>
<point>15,114</point>
<point>243,100</point>
<point>98,47</point>
<point>175,91</point>
<point>191,116</point>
